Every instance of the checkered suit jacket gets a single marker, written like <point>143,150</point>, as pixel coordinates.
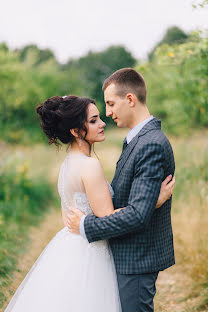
<point>140,236</point>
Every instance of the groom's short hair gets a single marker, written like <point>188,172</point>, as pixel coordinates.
<point>127,80</point>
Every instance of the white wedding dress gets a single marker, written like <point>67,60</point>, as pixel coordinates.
<point>70,275</point>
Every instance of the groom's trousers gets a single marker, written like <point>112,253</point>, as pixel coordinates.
<point>137,291</point>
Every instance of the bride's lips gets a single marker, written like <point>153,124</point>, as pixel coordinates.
<point>101,132</point>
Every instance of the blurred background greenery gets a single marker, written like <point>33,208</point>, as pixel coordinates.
<point>176,73</point>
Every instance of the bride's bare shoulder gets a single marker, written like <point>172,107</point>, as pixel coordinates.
<point>91,166</point>
<point>90,162</point>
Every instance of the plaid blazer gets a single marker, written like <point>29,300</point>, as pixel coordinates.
<point>140,236</point>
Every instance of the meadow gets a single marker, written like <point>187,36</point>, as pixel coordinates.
<point>182,287</point>
<point>176,76</point>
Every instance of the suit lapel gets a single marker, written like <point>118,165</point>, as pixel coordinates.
<point>152,125</point>
<point>124,156</point>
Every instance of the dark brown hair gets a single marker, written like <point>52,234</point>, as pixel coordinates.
<point>60,114</point>
<point>127,80</point>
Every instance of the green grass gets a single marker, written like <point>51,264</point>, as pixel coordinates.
<point>190,202</point>
<point>23,202</point>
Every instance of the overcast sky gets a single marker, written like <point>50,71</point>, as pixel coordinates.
<point>73,27</point>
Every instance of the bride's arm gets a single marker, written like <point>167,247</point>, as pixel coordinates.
<point>98,192</point>
<point>96,188</point>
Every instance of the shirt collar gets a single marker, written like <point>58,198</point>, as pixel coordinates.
<point>134,131</point>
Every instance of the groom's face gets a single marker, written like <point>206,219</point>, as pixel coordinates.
<point>116,107</point>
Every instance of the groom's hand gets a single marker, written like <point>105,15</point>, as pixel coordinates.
<point>73,220</point>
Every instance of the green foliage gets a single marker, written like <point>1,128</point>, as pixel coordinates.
<point>173,35</point>
<point>22,202</point>
<point>30,75</point>
<point>190,199</point>
<point>23,87</point>
<point>40,56</point>
<point>21,198</point>
<point>200,4</point>
<point>95,67</point>
<point>4,47</point>
<point>177,84</point>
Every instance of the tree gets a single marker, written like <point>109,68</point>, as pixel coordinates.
<point>4,47</point>
<point>177,84</point>
<point>37,55</point>
<point>95,67</point>
<point>173,35</point>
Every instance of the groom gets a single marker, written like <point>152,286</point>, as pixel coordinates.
<point>140,236</point>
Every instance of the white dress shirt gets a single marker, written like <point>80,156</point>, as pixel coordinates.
<point>130,135</point>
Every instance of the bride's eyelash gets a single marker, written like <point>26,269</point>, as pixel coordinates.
<point>92,121</point>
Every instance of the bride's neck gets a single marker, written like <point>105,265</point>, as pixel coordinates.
<point>84,148</point>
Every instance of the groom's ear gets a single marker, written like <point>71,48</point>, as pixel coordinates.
<point>131,98</point>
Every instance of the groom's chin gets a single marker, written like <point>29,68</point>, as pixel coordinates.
<point>117,123</point>
<point>120,125</point>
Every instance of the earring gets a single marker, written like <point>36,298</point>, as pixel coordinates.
<point>80,141</point>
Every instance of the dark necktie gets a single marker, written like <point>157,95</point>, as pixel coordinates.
<point>124,144</point>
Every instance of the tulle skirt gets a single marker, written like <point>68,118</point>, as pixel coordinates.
<point>70,275</point>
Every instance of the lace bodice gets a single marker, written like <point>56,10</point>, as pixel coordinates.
<point>70,186</point>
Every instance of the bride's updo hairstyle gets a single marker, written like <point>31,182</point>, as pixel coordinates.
<point>60,114</point>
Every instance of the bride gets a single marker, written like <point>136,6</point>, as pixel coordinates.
<point>71,274</point>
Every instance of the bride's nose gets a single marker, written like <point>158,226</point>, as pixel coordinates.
<point>103,124</point>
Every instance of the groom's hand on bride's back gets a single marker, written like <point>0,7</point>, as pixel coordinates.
<point>166,190</point>
<point>73,219</point>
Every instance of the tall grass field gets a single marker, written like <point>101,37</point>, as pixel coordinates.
<point>29,188</point>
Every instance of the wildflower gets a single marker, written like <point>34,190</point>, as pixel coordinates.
<point>202,110</point>
<point>171,54</point>
<point>23,169</point>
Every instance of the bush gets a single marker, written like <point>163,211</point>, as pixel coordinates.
<point>177,84</point>
<point>22,202</point>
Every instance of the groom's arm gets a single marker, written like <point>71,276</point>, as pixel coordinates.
<point>145,189</point>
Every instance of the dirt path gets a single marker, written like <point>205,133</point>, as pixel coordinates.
<point>174,292</point>
<point>172,285</point>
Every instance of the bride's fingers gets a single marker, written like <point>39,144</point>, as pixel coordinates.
<point>170,187</point>
<point>167,180</point>
<point>171,184</point>
<point>173,181</point>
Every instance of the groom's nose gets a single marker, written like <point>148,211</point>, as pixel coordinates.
<point>108,112</point>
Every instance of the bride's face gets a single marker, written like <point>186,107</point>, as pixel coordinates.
<point>95,126</point>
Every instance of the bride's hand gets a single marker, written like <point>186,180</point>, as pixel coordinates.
<point>119,209</point>
<point>166,190</point>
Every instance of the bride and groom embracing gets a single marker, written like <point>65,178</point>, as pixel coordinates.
<point>126,234</point>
